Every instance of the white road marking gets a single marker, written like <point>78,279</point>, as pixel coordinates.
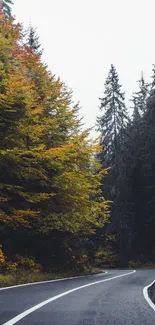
<point>34,308</point>
<point>146,295</point>
<point>50,281</point>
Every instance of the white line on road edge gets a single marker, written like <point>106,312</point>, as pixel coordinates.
<point>50,281</point>
<point>34,308</point>
<point>146,295</point>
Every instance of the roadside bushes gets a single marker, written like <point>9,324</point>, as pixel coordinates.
<point>27,264</point>
<point>2,258</point>
<point>18,264</point>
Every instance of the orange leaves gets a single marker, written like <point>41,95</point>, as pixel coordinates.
<point>50,176</point>
<point>37,110</point>
<point>18,84</point>
<point>2,257</point>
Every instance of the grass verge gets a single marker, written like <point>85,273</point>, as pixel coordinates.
<point>29,277</point>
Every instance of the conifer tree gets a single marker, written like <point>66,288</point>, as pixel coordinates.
<point>49,176</point>
<point>112,125</point>
<point>140,97</point>
<point>32,40</point>
<point>114,118</point>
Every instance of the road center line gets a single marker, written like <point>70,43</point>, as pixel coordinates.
<point>34,308</point>
<point>146,295</point>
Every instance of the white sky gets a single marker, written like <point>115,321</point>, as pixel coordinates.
<point>81,38</point>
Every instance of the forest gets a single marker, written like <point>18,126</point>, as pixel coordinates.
<point>129,154</point>
<point>68,202</point>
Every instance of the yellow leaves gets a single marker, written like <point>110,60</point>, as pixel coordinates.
<point>2,257</point>
<point>3,199</point>
<point>19,263</point>
<point>3,217</point>
<point>17,218</point>
<point>37,110</point>
<point>60,151</point>
<point>31,133</point>
<point>102,252</point>
<point>26,263</point>
<point>39,197</point>
<point>25,213</point>
<point>7,27</point>
<point>40,148</point>
<point>11,266</point>
<point>18,84</point>
<point>50,163</point>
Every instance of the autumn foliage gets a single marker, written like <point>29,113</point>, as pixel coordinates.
<point>49,174</point>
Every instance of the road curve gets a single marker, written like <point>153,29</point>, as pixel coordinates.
<point>115,298</point>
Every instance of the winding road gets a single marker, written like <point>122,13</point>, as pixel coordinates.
<point>114,298</point>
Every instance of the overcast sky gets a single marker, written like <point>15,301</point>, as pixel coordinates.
<point>81,38</point>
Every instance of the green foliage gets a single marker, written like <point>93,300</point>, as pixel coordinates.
<point>113,125</point>
<point>105,253</point>
<point>50,176</point>
<point>46,162</point>
<point>140,97</point>
<point>132,186</point>
<point>134,264</point>
<point>114,118</point>
<point>23,277</point>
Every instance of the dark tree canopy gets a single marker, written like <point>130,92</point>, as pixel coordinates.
<point>131,186</point>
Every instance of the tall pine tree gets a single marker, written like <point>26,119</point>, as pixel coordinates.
<point>140,97</point>
<point>113,120</point>
<point>32,40</point>
<point>112,125</point>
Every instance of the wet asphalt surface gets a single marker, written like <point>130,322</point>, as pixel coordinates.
<point>117,301</point>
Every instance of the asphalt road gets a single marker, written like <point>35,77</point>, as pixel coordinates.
<point>112,300</point>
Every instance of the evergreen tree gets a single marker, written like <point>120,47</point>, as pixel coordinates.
<point>32,40</point>
<point>140,97</point>
<point>49,174</point>
<point>139,167</point>
<point>133,213</point>
<point>145,196</point>
<point>152,84</point>
<point>114,119</point>
<point>112,126</point>
<point>136,114</point>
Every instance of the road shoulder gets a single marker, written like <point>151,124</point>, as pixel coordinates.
<point>149,294</point>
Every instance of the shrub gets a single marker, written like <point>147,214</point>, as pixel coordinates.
<point>106,256</point>
<point>11,266</point>
<point>27,264</point>
<point>2,257</point>
<point>19,263</point>
<point>134,264</point>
